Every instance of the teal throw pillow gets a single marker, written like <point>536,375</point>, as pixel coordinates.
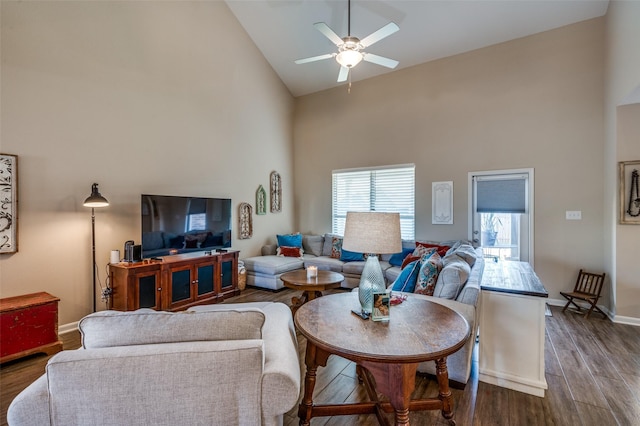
<point>406,281</point>
<point>290,240</point>
<point>350,256</point>
<point>397,258</point>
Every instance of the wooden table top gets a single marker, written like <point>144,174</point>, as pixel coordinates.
<point>508,276</point>
<point>298,280</point>
<point>418,330</point>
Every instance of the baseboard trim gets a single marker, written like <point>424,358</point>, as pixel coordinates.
<point>562,302</point>
<point>532,387</point>
<point>68,328</point>
<point>619,319</point>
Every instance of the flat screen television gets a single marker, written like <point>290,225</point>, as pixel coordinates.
<point>174,224</point>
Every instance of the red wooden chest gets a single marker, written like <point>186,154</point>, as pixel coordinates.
<point>28,325</point>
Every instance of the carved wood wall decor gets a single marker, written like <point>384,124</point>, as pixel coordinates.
<point>261,201</point>
<point>629,194</point>
<point>8,203</point>
<point>245,221</point>
<point>276,192</point>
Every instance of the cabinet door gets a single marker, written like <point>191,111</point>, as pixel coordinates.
<point>205,279</point>
<point>147,290</point>
<point>181,286</point>
<point>226,274</point>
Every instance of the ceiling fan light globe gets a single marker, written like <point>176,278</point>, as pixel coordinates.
<point>349,58</point>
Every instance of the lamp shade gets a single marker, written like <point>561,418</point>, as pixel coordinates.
<point>349,58</point>
<point>95,199</point>
<point>372,232</point>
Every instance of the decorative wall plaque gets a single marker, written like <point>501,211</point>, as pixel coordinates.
<point>261,201</point>
<point>442,203</point>
<point>276,192</point>
<point>629,183</point>
<point>245,221</point>
<point>8,203</point>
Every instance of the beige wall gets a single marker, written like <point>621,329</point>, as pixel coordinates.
<point>142,97</point>
<point>533,102</point>
<point>622,78</point>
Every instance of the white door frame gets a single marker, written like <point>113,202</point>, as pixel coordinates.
<point>530,206</point>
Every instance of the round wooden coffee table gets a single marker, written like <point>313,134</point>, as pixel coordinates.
<point>311,287</point>
<point>387,354</point>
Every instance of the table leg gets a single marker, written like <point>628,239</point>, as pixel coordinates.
<point>314,357</point>
<point>296,302</point>
<point>442,374</point>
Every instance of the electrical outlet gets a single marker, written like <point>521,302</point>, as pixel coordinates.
<point>574,215</point>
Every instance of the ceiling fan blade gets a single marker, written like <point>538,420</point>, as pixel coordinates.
<point>329,33</point>
<point>380,60</point>
<point>383,32</point>
<point>343,74</point>
<point>315,58</point>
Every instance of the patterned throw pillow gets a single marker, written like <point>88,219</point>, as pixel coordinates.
<point>428,275</point>
<point>417,255</point>
<point>422,247</point>
<point>336,247</point>
<point>289,251</point>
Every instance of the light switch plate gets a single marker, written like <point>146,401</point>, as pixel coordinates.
<point>574,215</point>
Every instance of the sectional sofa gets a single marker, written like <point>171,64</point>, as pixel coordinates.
<point>457,285</point>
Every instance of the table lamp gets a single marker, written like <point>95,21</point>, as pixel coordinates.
<point>372,233</point>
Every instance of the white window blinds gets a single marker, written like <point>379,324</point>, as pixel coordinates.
<point>385,189</point>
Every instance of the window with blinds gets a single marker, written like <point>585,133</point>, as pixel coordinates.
<point>383,189</point>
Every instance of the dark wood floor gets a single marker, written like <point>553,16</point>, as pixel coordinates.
<point>592,369</point>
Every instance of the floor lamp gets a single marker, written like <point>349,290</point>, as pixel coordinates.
<point>94,200</point>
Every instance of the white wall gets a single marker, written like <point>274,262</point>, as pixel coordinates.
<point>622,78</point>
<point>142,97</point>
<point>533,102</point>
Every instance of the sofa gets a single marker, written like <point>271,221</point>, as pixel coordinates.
<point>234,364</point>
<point>456,286</point>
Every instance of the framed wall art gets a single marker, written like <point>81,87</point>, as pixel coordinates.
<point>276,192</point>
<point>245,221</point>
<point>8,203</point>
<point>442,203</point>
<point>261,201</point>
<point>629,172</point>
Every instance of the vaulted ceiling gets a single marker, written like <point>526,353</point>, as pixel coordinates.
<point>429,29</point>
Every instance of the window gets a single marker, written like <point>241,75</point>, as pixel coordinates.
<point>502,212</point>
<point>383,189</point>
<point>197,214</point>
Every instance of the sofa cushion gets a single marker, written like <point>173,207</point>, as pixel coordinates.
<point>452,278</point>
<point>326,263</point>
<point>313,244</point>
<point>290,240</point>
<point>417,254</point>
<point>406,281</point>
<point>146,326</point>
<point>289,251</point>
<point>273,265</point>
<point>466,252</point>
<point>430,266</point>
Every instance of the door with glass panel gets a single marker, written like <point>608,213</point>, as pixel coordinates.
<point>501,214</point>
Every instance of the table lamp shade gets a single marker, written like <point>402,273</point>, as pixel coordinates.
<point>372,232</point>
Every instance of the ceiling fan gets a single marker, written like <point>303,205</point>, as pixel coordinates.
<point>351,49</point>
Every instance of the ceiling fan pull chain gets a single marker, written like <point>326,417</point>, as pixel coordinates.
<point>349,86</point>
